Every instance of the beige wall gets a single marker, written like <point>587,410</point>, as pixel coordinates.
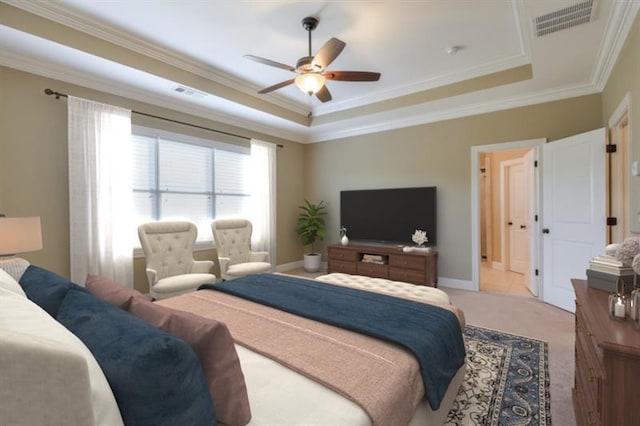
<point>33,161</point>
<point>438,154</point>
<point>624,79</point>
<point>33,165</point>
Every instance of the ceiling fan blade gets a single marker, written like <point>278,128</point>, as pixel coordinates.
<point>327,53</point>
<point>323,94</point>
<point>270,62</point>
<point>276,86</point>
<point>352,75</point>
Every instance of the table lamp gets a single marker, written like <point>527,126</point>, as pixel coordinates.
<point>18,235</point>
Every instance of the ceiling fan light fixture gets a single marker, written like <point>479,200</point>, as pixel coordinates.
<point>310,83</point>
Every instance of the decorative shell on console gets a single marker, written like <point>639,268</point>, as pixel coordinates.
<point>419,237</point>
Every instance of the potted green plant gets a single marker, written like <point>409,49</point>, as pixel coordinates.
<point>311,228</point>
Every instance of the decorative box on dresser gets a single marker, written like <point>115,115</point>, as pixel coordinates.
<point>416,267</point>
<point>606,390</point>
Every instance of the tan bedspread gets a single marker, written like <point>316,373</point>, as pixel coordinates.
<point>383,378</point>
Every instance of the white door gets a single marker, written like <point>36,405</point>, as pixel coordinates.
<point>518,208</point>
<point>573,212</point>
<point>531,279</point>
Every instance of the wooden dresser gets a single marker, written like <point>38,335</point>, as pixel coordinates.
<point>606,390</point>
<point>415,267</point>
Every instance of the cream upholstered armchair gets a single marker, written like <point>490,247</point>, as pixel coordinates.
<point>233,242</point>
<point>168,250</point>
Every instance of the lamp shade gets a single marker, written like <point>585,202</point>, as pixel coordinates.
<point>20,235</point>
<point>310,82</point>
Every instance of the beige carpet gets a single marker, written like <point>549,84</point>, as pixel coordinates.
<point>526,316</point>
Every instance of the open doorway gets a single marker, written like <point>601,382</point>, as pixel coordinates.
<point>568,226</point>
<point>618,165</point>
<point>505,210</point>
<point>504,227</point>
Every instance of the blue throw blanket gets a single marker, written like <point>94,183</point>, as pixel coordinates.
<point>431,333</point>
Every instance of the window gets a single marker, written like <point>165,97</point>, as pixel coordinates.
<point>179,177</point>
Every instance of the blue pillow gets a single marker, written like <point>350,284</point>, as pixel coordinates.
<point>45,288</point>
<point>156,378</point>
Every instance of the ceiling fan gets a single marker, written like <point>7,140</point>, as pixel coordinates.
<point>311,70</point>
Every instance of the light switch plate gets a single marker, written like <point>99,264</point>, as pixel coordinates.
<point>635,168</point>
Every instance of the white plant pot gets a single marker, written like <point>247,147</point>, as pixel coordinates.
<point>312,262</point>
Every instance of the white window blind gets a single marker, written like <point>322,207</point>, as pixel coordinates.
<point>177,177</point>
<point>184,167</point>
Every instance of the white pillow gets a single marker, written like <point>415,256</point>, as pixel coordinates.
<point>14,266</point>
<point>8,283</point>
<point>21,315</point>
<point>36,388</point>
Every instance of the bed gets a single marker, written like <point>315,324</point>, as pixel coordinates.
<point>121,359</point>
<point>282,390</point>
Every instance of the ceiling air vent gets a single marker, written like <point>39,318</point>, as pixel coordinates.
<point>189,92</point>
<point>578,14</point>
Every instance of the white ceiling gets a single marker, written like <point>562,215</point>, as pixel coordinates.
<point>405,41</point>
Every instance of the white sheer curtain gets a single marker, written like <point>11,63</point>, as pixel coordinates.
<point>100,194</point>
<point>263,198</point>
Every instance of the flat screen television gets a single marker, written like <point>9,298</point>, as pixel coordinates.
<point>389,215</point>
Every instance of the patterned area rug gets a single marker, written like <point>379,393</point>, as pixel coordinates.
<point>506,382</point>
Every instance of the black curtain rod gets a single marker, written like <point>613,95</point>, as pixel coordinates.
<point>59,95</point>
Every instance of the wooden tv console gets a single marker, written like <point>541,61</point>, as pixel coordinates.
<point>416,267</point>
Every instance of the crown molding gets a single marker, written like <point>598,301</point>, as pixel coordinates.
<point>619,23</point>
<point>425,85</point>
<point>56,12</point>
<point>522,28</point>
<point>419,115</point>
<point>523,57</point>
<point>11,60</point>
<point>390,120</point>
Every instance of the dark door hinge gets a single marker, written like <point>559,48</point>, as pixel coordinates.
<point>535,163</point>
<point>611,148</point>
<point>612,221</point>
<point>536,272</point>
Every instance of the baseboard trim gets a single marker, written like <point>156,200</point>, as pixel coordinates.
<point>456,284</point>
<point>286,267</point>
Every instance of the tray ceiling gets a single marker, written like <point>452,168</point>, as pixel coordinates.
<point>146,53</point>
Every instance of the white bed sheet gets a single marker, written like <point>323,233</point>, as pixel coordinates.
<point>281,397</point>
